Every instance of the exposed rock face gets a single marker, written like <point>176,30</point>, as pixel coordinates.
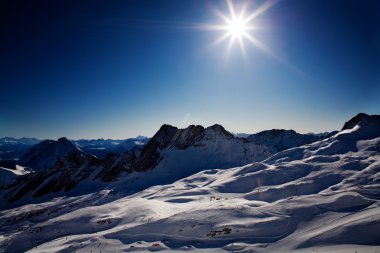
<point>45,154</point>
<point>150,155</point>
<point>114,164</point>
<point>68,172</point>
<point>187,137</point>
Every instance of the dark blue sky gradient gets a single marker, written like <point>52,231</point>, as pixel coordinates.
<point>123,68</point>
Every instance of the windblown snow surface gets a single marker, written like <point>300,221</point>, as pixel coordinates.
<point>321,197</point>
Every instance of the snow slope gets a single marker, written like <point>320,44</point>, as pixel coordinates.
<point>9,176</point>
<point>320,197</point>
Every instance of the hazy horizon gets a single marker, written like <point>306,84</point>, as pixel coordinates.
<point>183,127</point>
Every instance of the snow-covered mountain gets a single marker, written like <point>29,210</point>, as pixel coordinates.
<point>174,153</point>
<point>319,197</point>
<point>13,149</point>
<point>76,173</point>
<point>279,139</point>
<point>171,154</point>
<point>45,154</point>
<point>197,147</point>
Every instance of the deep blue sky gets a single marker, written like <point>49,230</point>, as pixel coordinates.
<point>86,69</point>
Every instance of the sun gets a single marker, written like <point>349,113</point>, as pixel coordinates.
<point>238,26</point>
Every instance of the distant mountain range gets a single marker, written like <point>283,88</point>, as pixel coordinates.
<point>100,147</point>
<point>13,148</point>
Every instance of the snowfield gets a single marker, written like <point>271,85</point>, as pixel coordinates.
<point>320,197</point>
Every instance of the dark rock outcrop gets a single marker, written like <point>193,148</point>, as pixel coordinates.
<point>361,118</point>
<point>114,164</point>
<point>65,175</point>
<point>44,155</point>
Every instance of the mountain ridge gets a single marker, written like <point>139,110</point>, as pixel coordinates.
<point>214,144</point>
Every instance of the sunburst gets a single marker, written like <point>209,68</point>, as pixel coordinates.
<point>239,26</point>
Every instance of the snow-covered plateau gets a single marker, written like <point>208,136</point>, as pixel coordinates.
<point>318,197</point>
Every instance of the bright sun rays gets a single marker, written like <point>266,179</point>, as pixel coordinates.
<point>238,26</point>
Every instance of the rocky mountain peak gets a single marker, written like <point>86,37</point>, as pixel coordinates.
<point>362,119</point>
<point>45,154</point>
<point>217,130</point>
<point>63,140</point>
<point>164,135</point>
